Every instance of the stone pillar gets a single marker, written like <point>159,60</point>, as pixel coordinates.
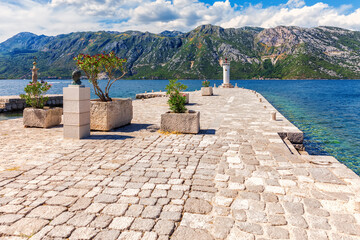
<point>273,116</point>
<point>76,111</point>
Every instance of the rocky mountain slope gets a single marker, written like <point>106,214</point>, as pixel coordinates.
<point>281,52</point>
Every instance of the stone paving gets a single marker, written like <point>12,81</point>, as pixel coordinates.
<point>236,179</point>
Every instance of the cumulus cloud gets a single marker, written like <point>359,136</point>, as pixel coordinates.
<point>51,17</point>
<point>294,13</point>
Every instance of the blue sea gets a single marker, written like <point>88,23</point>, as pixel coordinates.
<point>327,111</point>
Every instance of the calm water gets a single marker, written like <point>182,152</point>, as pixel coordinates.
<point>327,111</point>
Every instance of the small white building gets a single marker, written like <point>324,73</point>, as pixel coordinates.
<point>226,74</point>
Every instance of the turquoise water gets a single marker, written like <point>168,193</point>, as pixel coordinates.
<point>327,111</point>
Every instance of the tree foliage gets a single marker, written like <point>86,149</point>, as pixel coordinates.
<point>35,92</point>
<point>96,64</point>
<point>177,100</point>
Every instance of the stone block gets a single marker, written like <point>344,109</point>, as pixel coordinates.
<point>206,91</point>
<point>76,119</point>
<point>26,226</point>
<point>191,233</point>
<point>142,224</point>
<point>181,122</point>
<point>121,223</point>
<point>9,218</point>
<point>42,118</point>
<point>222,227</point>
<point>76,106</point>
<point>105,116</point>
<point>164,227</point>
<point>295,137</point>
<point>72,93</point>
<point>83,233</point>
<point>61,231</point>
<point>187,95</point>
<point>76,132</point>
<point>108,235</point>
<point>46,212</point>
<point>194,205</point>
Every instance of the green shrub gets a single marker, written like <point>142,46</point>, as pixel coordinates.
<point>206,83</point>
<point>35,92</point>
<point>176,99</point>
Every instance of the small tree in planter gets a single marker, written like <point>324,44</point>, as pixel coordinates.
<point>105,113</point>
<point>179,119</point>
<point>35,115</point>
<point>35,92</point>
<point>94,65</point>
<point>206,83</point>
<point>177,100</point>
<point>206,90</point>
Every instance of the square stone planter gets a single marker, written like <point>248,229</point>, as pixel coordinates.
<point>206,91</point>
<point>187,97</point>
<point>105,116</point>
<point>42,118</point>
<point>188,122</point>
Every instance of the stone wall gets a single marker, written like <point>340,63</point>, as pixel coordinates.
<point>150,95</point>
<point>15,103</point>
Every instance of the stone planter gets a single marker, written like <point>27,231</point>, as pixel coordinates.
<point>206,91</point>
<point>188,122</point>
<point>187,97</point>
<point>105,116</point>
<point>42,118</point>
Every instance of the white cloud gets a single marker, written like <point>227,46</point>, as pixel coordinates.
<point>319,14</point>
<point>63,16</point>
<point>295,3</point>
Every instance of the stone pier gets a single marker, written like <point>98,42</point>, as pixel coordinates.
<point>239,178</point>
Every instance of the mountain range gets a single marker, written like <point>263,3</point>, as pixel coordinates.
<point>278,53</point>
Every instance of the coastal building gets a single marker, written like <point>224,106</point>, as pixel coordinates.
<point>226,75</point>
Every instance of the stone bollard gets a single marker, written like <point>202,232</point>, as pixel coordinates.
<point>357,206</point>
<point>273,116</point>
<point>214,85</point>
<point>76,111</point>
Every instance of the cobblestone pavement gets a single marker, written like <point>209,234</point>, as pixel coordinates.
<point>236,179</point>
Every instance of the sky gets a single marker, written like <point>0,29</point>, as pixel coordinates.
<point>53,17</point>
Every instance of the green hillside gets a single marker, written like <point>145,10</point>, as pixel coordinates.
<point>281,52</point>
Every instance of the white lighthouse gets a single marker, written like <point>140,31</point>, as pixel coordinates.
<point>226,74</point>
